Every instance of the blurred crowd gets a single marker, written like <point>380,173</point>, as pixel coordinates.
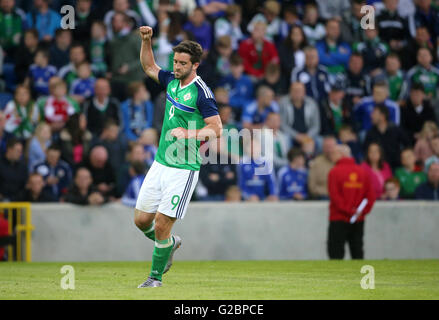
<point>80,122</point>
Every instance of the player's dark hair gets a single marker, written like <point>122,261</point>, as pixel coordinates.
<point>192,48</point>
<point>294,153</point>
<point>417,86</point>
<point>12,142</point>
<point>383,110</point>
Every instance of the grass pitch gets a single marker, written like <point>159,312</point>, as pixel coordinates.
<point>258,280</point>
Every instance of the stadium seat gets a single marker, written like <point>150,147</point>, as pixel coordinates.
<point>5,97</point>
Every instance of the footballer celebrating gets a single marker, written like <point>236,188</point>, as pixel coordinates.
<point>191,116</point>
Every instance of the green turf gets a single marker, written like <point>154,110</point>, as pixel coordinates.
<point>408,279</point>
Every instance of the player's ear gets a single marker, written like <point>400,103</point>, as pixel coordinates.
<point>195,65</point>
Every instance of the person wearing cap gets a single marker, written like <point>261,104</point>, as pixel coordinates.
<point>430,190</point>
<point>349,186</point>
<point>269,15</point>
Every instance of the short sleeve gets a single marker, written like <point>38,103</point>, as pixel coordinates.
<point>206,102</point>
<point>165,77</point>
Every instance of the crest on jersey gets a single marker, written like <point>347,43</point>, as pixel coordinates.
<point>187,96</point>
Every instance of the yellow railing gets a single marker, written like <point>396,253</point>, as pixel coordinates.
<point>20,209</point>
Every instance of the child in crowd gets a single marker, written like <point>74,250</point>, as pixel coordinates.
<point>138,172</point>
<point>83,87</point>
<point>409,175</point>
<point>391,189</point>
<point>40,73</point>
<point>293,177</point>
<point>98,47</point>
<point>21,114</point>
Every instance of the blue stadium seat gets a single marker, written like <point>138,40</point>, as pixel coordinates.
<point>9,76</point>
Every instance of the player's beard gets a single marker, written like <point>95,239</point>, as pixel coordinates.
<point>183,76</point>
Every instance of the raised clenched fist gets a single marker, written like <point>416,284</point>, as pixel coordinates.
<point>145,33</point>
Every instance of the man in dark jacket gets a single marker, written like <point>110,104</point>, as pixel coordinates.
<point>348,186</point>
<point>35,191</point>
<point>388,135</point>
<point>430,189</point>
<point>13,170</point>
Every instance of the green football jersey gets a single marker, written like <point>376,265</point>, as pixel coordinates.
<point>428,78</point>
<point>186,107</point>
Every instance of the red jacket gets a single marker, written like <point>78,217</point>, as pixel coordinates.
<point>348,185</point>
<point>253,63</point>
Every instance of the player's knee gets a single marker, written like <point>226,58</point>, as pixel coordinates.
<point>142,219</point>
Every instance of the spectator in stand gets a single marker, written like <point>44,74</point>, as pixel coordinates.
<point>84,17</point>
<point>300,115</point>
<point>201,28</point>
<point>137,111</point>
<point>333,53</point>
<point>391,189</point>
<point>349,184</point>
<point>394,29</point>
<point>60,49</point>
<point>56,173</point>
<point>4,135</point>
<point>238,84</point>
<point>429,190</point>
<point>149,140</point>
<point>21,114</point>
<point>113,139</point>
<point>422,147</point>
<point>333,9</point>
<point>58,107</point>
<point>218,175</point>
<point>409,175</point>
<point>98,48</point>
<point>269,16</point>
<point>357,81</point>
<point>38,145</point>
<point>75,140</point>
<point>40,73</point>
<point>13,171</point>
<point>293,46</point>
<point>395,77</point>
<point>69,72</point>
<point>434,144</point>
<point>123,7</point>
<point>82,88</point>
<point>101,107</point>
<point>421,40</point>
<point>82,191</point>
<point>417,112</point>
<point>255,178</point>
<point>289,20</point>
<point>313,75</point>
<point>319,169</point>
<point>271,79</point>
<point>233,194</point>
<point>25,54</point>
<point>34,191</point>
<point>257,52</point>
<point>334,111</point>
<point>347,136</point>
<point>281,142</point>
<point>124,64</point>
<point>44,19</point>
<point>377,168</point>
<point>12,25</point>
<point>138,171</point>
<point>313,28</point>
<point>256,112</point>
<point>351,29</point>
<point>104,177</point>
<point>363,110</point>
<point>389,136</point>
<point>136,153</point>
<point>373,51</point>
<point>230,25</point>
<point>293,178</point>
<point>425,73</point>
<point>427,15</point>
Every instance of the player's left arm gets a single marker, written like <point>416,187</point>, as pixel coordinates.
<point>212,130</point>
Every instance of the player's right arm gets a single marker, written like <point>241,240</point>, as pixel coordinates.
<point>146,54</point>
